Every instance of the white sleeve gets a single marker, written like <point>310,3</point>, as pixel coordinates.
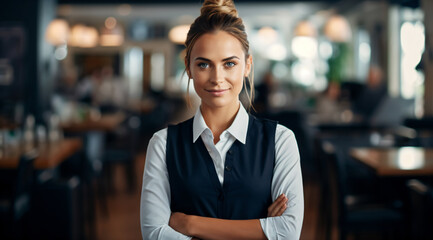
<point>287,179</point>
<point>155,195</point>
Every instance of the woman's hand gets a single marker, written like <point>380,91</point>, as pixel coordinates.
<point>278,207</point>
<point>180,223</point>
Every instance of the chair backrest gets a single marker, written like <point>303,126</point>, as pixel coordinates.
<point>424,129</point>
<point>336,180</point>
<point>126,136</point>
<point>24,185</point>
<point>392,111</point>
<point>421,214</point>
<point>338,172</point>
<point>422,123</point>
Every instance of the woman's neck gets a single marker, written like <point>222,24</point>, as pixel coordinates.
<point>219,119</point>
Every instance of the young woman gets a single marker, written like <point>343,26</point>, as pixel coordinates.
<point>223,174</point>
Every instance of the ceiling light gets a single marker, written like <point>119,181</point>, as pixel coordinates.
<point>305,29</point>
<point>267,35</point>
<point>337,29</point>
<point>57,32</point>
<point>83,36</point>
<point>178,34</point>
<point>112,33</point>
<point>110,22</point>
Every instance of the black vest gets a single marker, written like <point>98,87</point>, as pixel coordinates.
<point>194,185</point>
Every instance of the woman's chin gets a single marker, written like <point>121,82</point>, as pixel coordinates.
<point>219,103</point>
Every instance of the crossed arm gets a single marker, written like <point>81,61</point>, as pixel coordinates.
<point>214,228</point>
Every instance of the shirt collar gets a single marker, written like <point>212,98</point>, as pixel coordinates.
<point>238,129</point>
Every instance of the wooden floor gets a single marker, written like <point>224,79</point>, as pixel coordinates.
<point>123,219</point>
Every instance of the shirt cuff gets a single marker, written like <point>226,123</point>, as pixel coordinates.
<point>268,228</point>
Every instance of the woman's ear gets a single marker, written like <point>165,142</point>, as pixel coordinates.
<point>248,65</point>
<point>187,69</point>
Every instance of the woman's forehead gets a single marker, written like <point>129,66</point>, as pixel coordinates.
<point>218,44</point>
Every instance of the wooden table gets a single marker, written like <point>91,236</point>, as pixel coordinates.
<point>402,161</point>
<point>50,154</point>
<point>106,122</point>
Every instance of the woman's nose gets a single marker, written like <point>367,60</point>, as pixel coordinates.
<point>217,75</point>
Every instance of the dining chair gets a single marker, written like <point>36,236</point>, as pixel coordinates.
<point>357,214</point>
<point>121,147</point>
<point>14,208</point>
<point>82,166</point>
<point>57,210</point>
<point>424,129</point>
<point>421,209</point>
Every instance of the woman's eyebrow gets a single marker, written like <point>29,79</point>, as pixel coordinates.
<point>230,58</point>
<point>208,60</point>
<point>202,59</point>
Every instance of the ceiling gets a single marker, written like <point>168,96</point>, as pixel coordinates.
<point>177,1</point>
<point>256,13</point>
<point>276,13</point>
<point>408,3</point>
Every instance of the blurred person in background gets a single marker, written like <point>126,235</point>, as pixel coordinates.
<point>67,84</point>
<point>86,86</point>
<point>102,89</point>
<point>109,92</point>
<point>373,93</point>
<point>328,108</point>
<point>263,90</point>
<point>222,174</point>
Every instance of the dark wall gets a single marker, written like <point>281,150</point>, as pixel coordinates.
<point>24,88</point>
<point>20,47</point>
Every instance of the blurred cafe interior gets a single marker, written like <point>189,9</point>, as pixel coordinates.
<point>85,84</point>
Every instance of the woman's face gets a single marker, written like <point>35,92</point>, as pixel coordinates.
<point>218,67</point>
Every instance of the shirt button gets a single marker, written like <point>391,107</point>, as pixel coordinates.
<point>228,168</point>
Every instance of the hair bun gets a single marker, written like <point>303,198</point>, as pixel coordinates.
<point>212,7</point>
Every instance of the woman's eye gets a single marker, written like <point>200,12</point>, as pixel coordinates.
<point>203,65</point>
<point>230,64</point>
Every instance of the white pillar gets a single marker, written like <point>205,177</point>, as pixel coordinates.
<point>427,6</point>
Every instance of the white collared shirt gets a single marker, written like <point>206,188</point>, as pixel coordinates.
<point>287,178</point>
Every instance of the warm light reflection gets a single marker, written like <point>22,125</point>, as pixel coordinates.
<point>112,33</point>
<point>337,29</point>
<point>111,40</point>
<point>110,22</point>
<point>57,32</point>
<point>410,158</point>
<point>83,36</point>
<point>306,29</point>
<point>178,34</point>
<point>267,35</point>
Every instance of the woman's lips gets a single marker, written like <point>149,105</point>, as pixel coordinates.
<point>217,92</point>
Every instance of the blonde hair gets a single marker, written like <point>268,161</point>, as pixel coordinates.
<point>220,15</point>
